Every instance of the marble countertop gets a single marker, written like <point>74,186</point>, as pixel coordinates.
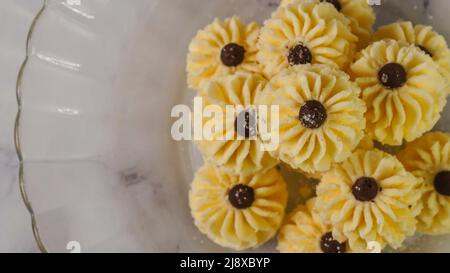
<point>15,228</point>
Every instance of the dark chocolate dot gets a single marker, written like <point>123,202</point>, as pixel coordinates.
<point>335,3</point>
<point>424,49</point>
<point>241,196</point>
<point>329,245</point>
<point>313,114</point>
<point>245,124</point>
<point>392,75</point>
<point>365,189</point>
<point>232,55</point>
<point>299,54</point>
<point>442,183</point>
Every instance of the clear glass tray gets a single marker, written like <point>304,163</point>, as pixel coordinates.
<point>99,164</point>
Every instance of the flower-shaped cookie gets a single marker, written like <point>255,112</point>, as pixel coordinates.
<point>235,146</point>
<point>369,197</point>
<point>429,158</point>
<point>429,41</point>
<point>305,32</point>
<point>304,231</point>
<point>222,48</point>
<point>360,13</point>
<point>403,90</point>
<point>238,212</point>
<point>321,118</point>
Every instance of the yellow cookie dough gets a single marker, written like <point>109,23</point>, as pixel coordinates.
<point>222,48</point>
<point>304,231</point>
<point>403,90</point>
<point>429,41</point>
<point>361,15</point>
<point>232,148</point>
<point>369,197</point>
<point>321,118</point>
<point>366,143</point>
<point>305,32</point>
<point>429,158</point>
<point>238,212</point>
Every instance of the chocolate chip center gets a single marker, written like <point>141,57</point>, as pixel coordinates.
<point>299,54</point>
<point>241,196</point>
<point>313,114</point>
<point>245,124</point>
<point>232,55</point>
<point>335,3</point>
<point>365,189</point>
<point>329,245</point>
<point>392,75</point>
<point>442,183</point>
<point>424,49</point>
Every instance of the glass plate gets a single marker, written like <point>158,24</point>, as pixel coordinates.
<point>99,164</point>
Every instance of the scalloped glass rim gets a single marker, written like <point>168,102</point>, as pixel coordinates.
<point>93,128</point>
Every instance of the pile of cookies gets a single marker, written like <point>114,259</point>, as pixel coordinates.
<point>339,87</point>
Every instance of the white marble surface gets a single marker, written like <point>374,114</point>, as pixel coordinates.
<point>15,228</point>
<point>98,175</point>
